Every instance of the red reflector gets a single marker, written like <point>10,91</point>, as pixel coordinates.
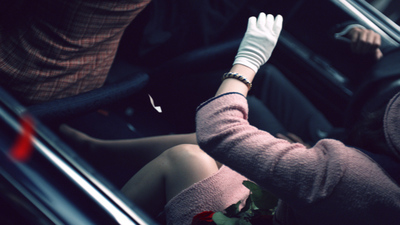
<point>22,148</point>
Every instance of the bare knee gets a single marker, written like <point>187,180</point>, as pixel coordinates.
<point>186,152</point>
<point>187,165</point>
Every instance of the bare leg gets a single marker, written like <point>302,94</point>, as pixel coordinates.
<point>131,151</point>
<point>167,175</point>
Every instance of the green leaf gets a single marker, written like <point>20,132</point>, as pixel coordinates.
<point>247,210</point>
<point>232,210</point>
<point>261,198</point>
<point>220,219</point>
<point>247,205</point>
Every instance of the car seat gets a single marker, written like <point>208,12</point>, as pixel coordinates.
<point>381,84</point>
<point>123,80</point>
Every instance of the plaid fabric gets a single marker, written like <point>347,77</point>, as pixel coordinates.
<point>61,48</point>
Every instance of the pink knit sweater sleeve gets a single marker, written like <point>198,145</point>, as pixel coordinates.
<point>337,178</point>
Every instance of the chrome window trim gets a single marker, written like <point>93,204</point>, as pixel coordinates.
<point>99,192</point>
<point>104,189</point>
<point>83,183</point>
<point>361,10</point>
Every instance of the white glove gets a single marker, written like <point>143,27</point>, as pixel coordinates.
<point>259,41</point>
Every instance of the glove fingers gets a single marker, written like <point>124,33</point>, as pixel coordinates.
<point>262,20</point>
<point>270,21</point>
<point>277,25</point>
<point>252,23</point>
<point>259,40</point>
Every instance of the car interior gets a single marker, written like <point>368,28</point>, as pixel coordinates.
<point>57,181</point>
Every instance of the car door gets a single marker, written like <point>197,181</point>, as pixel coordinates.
<point>321,66</point>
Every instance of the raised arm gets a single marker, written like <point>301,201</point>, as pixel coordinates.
<point>255,49</point>
<point>328,182</point>
<point>290,170</point>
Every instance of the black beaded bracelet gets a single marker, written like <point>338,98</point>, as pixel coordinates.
<point>237,76</point>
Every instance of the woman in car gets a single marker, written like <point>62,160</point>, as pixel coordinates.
<point>329,183</point>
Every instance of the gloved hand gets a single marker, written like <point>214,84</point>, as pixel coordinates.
<point>259,40</point>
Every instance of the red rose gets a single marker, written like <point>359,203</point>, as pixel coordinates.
<point>203,218</point>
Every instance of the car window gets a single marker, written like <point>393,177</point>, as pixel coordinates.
<point>390,8</point>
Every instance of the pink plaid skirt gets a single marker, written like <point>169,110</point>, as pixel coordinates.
<point>61,48</point>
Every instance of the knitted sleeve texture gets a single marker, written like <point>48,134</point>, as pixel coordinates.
<point>314,182</point>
